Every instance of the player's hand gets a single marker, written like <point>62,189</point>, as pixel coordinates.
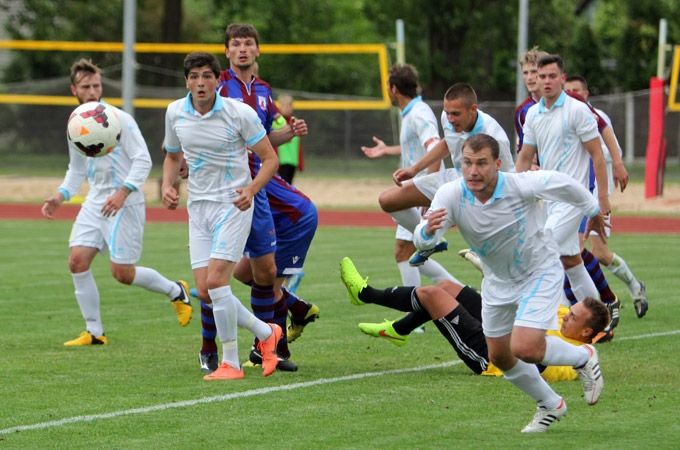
<point>620,176</point>
<point>605,206</point>
<point>376,151</point>
<point>435,220</point>
<point>50,206</point>
<point>184,169</point>
<point>598,224</point>
<point>170,197</point>
<point>245,198</point>
<point>115,202</point>
<point>298,127</point>
<point>401,175</point>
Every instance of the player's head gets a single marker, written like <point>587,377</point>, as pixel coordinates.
<point>201,71</point>
<point>578,85</point>
<point>585,320</point>
<point>404,79</point>
<point>241,45</point>
<point>460,106</point>
<point>551,76</point>
<point>481,164</point>
<point>86,81</point>
<point>529,70</point>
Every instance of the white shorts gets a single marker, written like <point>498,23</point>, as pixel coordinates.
<point>403,234</point>
<point>122,234</point>
<point>430,183</point>
<point>217,231</point>
<point>531,303</point>
<point>563,223</point>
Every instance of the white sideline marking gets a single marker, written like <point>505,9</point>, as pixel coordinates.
<point>261,391</point>
<point>650,335</point>
<point>221,398</point>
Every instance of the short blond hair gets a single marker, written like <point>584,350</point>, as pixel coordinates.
<point>532,56</point>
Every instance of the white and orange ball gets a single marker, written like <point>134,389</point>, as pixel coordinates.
<point>94,129</point>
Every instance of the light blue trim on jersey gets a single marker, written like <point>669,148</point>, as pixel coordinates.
<point>129,186</point>
<point>173,149</point>
<point>410,106</point>
<point>64,194</point>
<point>497,191</point>
<point>524,301</point>
<point>257,138</point>
<point>479,125</point>
<point>188,106</point>
<point>559,102</point>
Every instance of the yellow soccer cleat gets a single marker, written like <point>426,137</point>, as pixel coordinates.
<point>86,338</point>
<point>182,305</point>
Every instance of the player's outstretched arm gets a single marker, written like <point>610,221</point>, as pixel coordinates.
<point>434,156</point>
<point>380,149</point>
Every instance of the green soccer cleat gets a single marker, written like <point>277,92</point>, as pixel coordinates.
<point>352,279</point>
<point>384,330</point>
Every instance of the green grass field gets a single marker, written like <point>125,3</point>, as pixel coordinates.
<point>144,389</point>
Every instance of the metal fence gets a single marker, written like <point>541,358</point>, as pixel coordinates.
<point>40,129</point>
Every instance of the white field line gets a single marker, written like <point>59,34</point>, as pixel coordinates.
<point>221,398</point>
<point>261,391</point>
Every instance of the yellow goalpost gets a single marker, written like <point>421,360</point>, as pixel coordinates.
<point>380,50</point>
<point>673,104</point>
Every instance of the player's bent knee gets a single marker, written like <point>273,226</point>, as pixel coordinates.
<point>388,200</point>
<point>123,273</point>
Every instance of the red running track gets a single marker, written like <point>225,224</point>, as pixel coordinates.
<point>621,224</point>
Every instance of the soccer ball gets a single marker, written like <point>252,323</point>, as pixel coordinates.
<point>94,128</point>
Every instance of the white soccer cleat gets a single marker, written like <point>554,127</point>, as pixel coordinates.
<point>472,258</point>
<point>591,376</point>
<point>545,417</point>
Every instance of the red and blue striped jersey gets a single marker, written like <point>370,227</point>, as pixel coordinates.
<point>257,94</point>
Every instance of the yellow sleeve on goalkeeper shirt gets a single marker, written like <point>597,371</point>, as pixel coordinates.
<point>559,373</point>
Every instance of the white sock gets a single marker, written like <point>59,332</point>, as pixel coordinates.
<point>152,280</point>
<point>247,320</point>
<point>224,310</point>
<point>526,378</point>
<point>619,268</point>
<point>87,296</point>
<point>407,218</point>
<point>436,272</point>
<point>581,284</point>
<point>410,276</point>
<point>561,353</point>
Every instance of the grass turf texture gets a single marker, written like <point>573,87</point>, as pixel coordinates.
<point>151,361</point>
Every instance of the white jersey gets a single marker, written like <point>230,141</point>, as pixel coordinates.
<point>419,132</point>
<point>127,165</point>
<point>507,232</point>
<point>558,135</point>
<point>607,153</point>
<point>214,145</point>
<point>484,124</point>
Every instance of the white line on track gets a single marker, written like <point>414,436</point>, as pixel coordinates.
<point>261,391</point>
